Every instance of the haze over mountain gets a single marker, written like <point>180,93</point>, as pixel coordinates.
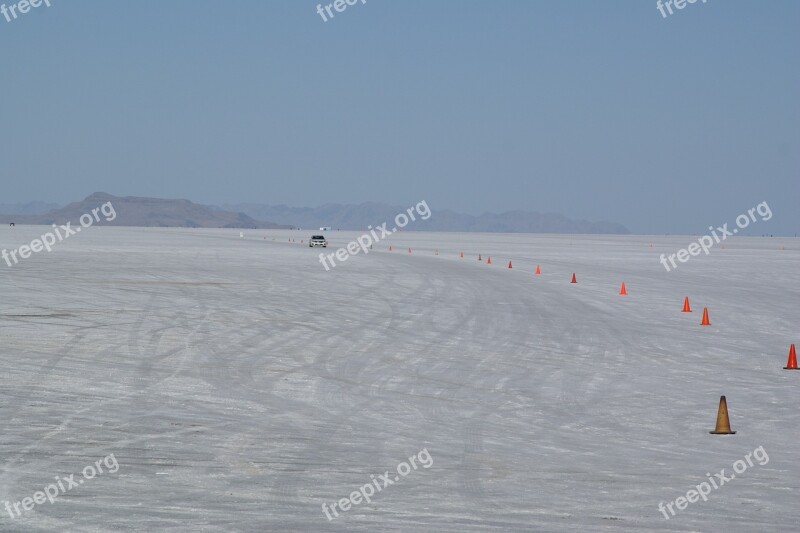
<point>156,212</point>
<point>144,212</point>
<point>29,208</point>
<point>356,217</point>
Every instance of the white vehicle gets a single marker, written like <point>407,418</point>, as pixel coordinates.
<point>317,240</point>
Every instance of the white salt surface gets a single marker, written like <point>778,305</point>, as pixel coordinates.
<point>240,385</point>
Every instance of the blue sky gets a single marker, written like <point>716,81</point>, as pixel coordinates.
<point>597,110</point>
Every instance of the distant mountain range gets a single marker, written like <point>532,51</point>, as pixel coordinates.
<point>144,212</point>
<point>155,212</point>
<point>358,217</point>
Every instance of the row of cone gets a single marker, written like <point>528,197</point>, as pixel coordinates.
<point>723,425</point>
<point>688,309</point>
<point>623,291</point>
<point>538,271</point>
<point>510,265</point>
<point>489,262</point>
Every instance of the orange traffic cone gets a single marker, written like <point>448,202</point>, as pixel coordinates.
<point>705,321</point>
<point>723,422</point>
<point>509,264</point>
<point>390,247</point>
<point>409,250</point>
<point>538,270</point>
<point>686,308</point>
<point>622,290</point>
<point>574,280</point>
<point>462,255</point>
<point>488,260</point>
<point>791,364</point>
<point>479,257</point>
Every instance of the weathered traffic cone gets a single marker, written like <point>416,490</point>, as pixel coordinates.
<point>686,308</point>
<point>622,290</point>
<point>509,264</point>
<point>791,364</point>
<point>437,251</point>
<point>705,321</point>
<point>409,250</point>
<point>723,422</point>
<point>462,255</point>
<point>488,260</point>
<point>479,257</point>
<point>390,247</point>
<point>538,270</point>
<point>574,279</point>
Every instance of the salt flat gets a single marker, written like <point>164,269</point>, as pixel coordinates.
<point>240,385</point>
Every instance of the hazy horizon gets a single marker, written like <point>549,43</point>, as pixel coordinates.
<point>663,125</point>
